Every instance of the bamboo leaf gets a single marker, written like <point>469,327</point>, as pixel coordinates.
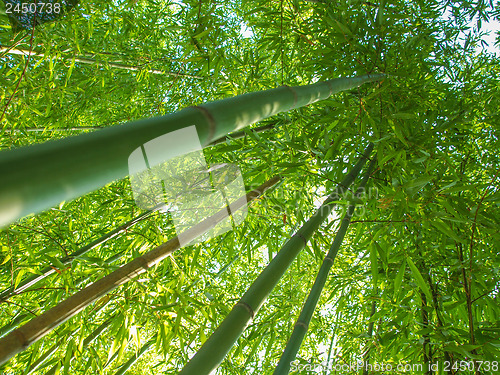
<point>419,279</point>
<point>444,228</point>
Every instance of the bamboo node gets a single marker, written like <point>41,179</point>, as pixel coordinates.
<point>247,307</point>
<point>301,236</point>
<point>295,97</point>
<point>328,258</point>
<point>302,324</point>
<point>210,120</point>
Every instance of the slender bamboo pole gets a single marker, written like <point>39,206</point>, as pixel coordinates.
<point>302,324</point>
<point>89,60</point>
<point>39,176</point>
<point>21,338</point>
<point>47,271</point>
<point>124,368</point>
<point>218,345</point>
<point>366,356</point>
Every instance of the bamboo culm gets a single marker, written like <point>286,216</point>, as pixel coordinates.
<point>124,368</point>
<point>220,342</point>
<point>302,324</point>
<point>47,271</point>
<point>21,338</point>
<point>88,340</point>
<point>40,176</point>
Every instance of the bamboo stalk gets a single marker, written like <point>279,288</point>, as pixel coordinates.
<point>37,177</point>
<point>124,368</point>
<point>220,342</point>
<point>88,340</point>
<point>47,271</point>
<point>21,338</point>
<point>302,324</point>
<point>88,60</point>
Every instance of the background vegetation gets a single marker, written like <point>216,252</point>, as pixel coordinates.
<point>417,278</point>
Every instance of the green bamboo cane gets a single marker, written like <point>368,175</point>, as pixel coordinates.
<point>21,338</point>
<point>302,324</point>
<point>218,345</point>
<point>21,319</point>
<point>37,177</point>
<point>124,368</point>
<point>88,340</point>
<point>47,271</point>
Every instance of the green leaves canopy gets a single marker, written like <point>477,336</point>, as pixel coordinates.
<point>434,124</point>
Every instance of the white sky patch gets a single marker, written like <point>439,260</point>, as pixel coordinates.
<point>318,201</point>
<point>491,31</point>
<point>245,31</point>
<point>492,28</point>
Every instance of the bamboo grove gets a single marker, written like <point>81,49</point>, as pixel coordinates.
<point>365,134</point>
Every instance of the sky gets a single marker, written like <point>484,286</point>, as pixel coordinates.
<point>493,27</point>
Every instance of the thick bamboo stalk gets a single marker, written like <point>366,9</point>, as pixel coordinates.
<point>47,271</point>
<point>37,177</point>
<point>218,345</point>
<point>302,324</point>
<point>21,338</point>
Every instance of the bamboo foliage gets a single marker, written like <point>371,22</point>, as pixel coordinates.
<point>21,338</point>
<point>47,271</point>
<point>218,345</point>
<point>36,177</point>
<point>302,324</point>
